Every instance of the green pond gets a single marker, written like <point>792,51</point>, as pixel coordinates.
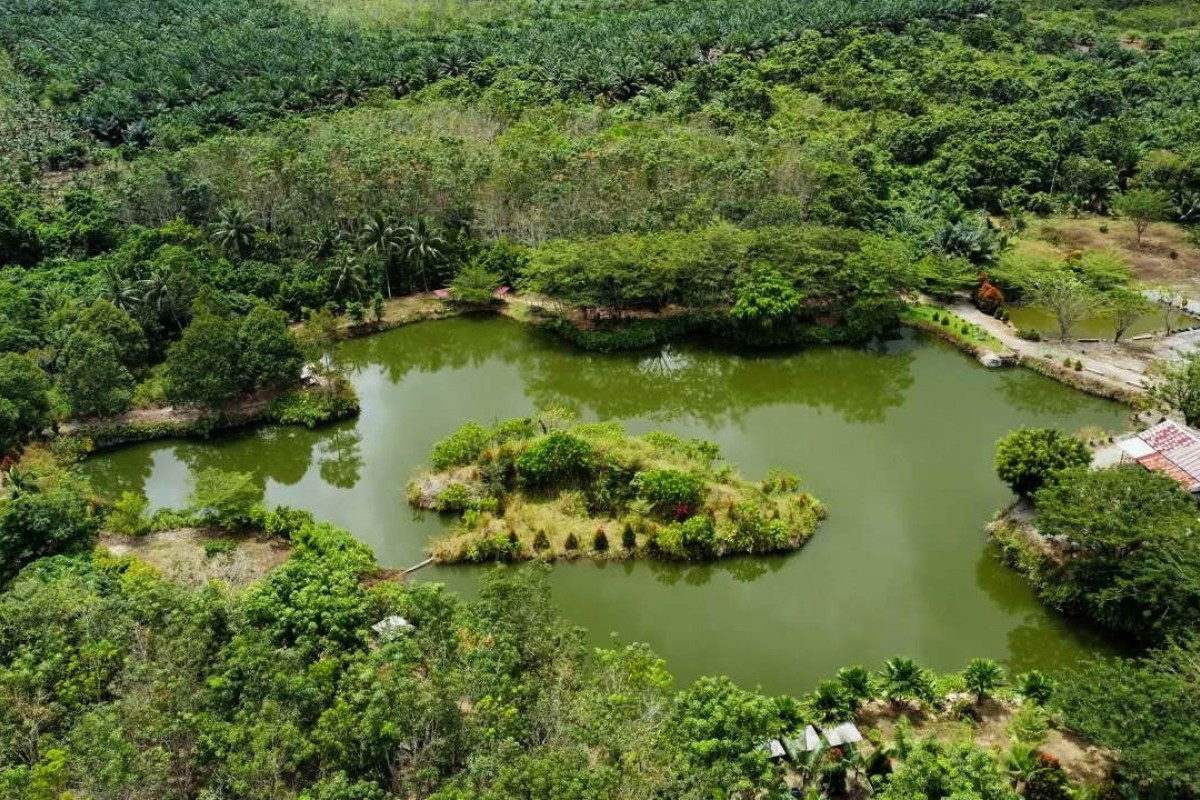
<point>895,439</point>
<point>1096,326</point>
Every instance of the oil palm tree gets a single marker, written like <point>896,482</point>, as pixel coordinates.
<point>857,685</point>
<point>829,703</point>
<point>423,247</point>
<point>233,230</point>
<point>384,239</point>
<point>349,276</point>
<point>1035,686</point>
<point>903,678</point>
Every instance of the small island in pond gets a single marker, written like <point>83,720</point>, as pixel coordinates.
<point>539,488</point>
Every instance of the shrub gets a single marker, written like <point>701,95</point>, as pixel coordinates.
<point>983,676</point>
<point>497,547</point>
<point>541,541</point>
<point>600,541</point>
<point>1035,686</point>
<point>224,499</point>
<point>572,543</point>
<point>1027,458</point>
<point>313,407</point>
<point>669,489</point>
<point>556,459</point>
<point>691,539</point>
<point>127,515</point>
<point>217,547</point>
<point>454,497</point>
<point>461,447</point>
<point>1029,334</point>
<point>628,537</point>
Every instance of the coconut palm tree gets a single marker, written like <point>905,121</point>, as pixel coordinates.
<point>349,277</point>
<point>423,247</point>
<point>233,230</point>
<point>983,676</point>
<point>384,239</point>
<point>118,289</point>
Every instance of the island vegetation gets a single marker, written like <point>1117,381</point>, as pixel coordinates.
<point>538,487</point>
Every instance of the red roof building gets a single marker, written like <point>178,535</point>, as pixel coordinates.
<point>1169,448</point>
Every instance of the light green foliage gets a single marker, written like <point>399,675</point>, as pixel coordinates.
<point>934,769</point>
<point>1178,391</point>
<point>1067,297</point>
<point>127,514</point>
<point>763,299</point>
<point>983,677</point>
<point>461,447</point>
<point>692,539</point>
<point>474,285</point>
<point>1030,725</point>
<point>224,499</point>
<point>1143,206</point>
<point>1026,459</point>
<point>669,490</point>
<point>904,679</point>
<point>556,459</point>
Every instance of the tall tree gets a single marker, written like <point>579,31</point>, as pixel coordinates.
<point>1143,206</point>
<point>203,366</point>
<point>94,381</point>
<point>384,239</point>
<point>423,247</point>
<point>24,399</point>
<point>234,230</point>
<point>268,353</point>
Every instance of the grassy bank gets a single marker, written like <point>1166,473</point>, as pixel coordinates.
<point>531,488</point>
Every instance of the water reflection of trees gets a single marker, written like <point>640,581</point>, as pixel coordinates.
<point>695,383</point>
<point>452,344</point>
<point>124,470</point>
<point>340,458</point>
<point>744,569</point>
<point>1031,392</point>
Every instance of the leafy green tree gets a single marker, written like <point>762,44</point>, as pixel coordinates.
<point>1178,388</point>
<point>934,769</point>
<point>93,380</point>
<point>474,285</point>
<point>204,366</point>
<point>268,355</point>
<point>24,399</point>
<point>224,499</point>
<point>983,676</point>
<point>1027,458</point>
<point>1143,206</point>
<point>764,299</point>
<point>556,459</point>
<point>44,521</point>
<point>1126,306</point>
<point>105,320</point>
<point>1065,296</point>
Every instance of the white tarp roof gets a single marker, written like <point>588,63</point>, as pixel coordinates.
<point>845,733</point>
<point>774,748</point>
<point>1135,447</point>
<point>390,626</point>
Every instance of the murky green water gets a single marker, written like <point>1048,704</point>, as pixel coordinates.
<point>1097,326</point>
<point>897,441</point>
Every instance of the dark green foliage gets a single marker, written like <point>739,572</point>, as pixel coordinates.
<point>1147,709</point>
<point>1035,686</point>
<point>93,379</point>
<point>461,447</point>
<point>628,537</point>
<point>203,366</point>
<point>541,541</point>
<point>1135,562</point>
<point>572,542</point>
<point>983,677</point>
<point>600,541</point>
<point>268,354</point>
<point>44,520</point>
<point>24,403</point>
<point>1028,458</point>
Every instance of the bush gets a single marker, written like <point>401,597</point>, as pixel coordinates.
<point>313,407</point>
<point>127,515</point>
<point>600,541</point>
<point>628,537</point>
<point>541,541</point>
<point>461,447</point>
<point>219,547</point>
<point>670,490</point>
<point>1035,686</point>
<point>693,538</point>
<point>1029,334</point>
<point>225,499</point>
<point>454,497</point>
<point>572,543</point>
<point>1027,458</point>
<point>556,459</point>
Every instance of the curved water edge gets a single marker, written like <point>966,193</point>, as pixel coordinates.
<point>895,439</point>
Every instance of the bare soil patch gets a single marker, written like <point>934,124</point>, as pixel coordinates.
<point>180,555</point>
